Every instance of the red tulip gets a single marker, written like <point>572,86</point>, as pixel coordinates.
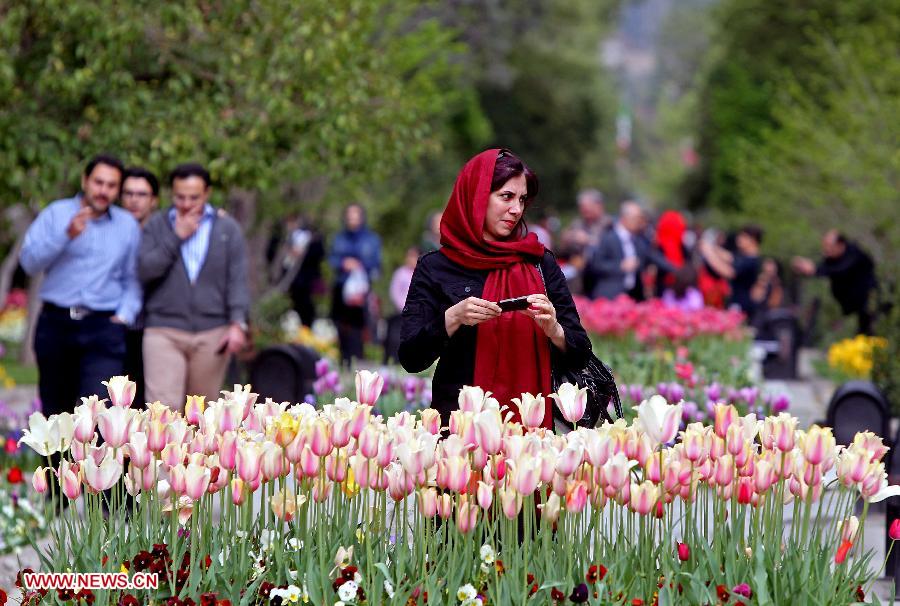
<point>894,530</point>
<point>10,446</point>
<point>841,554</point>
<point>14,476</point>
<point>684,552</point>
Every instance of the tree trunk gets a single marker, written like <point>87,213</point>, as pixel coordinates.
<point>26,352</point>
<point>18,217</point>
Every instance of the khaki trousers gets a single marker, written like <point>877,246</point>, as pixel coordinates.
<point>178,363</point>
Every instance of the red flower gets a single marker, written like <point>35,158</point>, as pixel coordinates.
<point>208,599</point>
<point>14,476</point>
<point>225,602</point>
<point>2,598</point>
<point>557,595</point>
<point>684,552</point>
<point>841,554</point>
<point>129,600</point>
<point>742,590</point>
<point>860,594</point>
<point>894,530</point>
<point>593,574</point>
<point>533,590</point>
<point>637,602</point>
<point>722,592</point>
<point>87,595</point>
<point>530,578</point>
<point>20,578</point>
<point>660,510</point>
<point>11,446</point>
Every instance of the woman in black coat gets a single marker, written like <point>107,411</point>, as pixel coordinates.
<point>451,312</point>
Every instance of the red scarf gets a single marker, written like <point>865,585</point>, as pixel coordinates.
<point>512,353</point>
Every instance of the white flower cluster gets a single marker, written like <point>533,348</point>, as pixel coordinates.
<point>488,557</point>
<point>290,595</point>
<point>467,595</point>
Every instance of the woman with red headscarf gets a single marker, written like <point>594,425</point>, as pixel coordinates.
<point>486,255</point>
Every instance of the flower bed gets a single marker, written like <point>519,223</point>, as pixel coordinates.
<point>243,502</point>
<point>21,511</point>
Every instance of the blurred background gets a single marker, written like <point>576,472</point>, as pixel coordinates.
<point>783,114</point>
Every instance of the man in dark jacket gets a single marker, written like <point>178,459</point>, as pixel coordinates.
<point>851,272</point>
<point>193,265</point>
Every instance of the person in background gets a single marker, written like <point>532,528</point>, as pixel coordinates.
<point>399,288</point>
<point>851,272</point>
<point>741,269</point>
<point>669,237</point>
<point>356,260</point>
<point>193,264</point>
<point>768,292</point>
<point>540,229</point>
<point>140,197</point>
<point>431,237</point>
<point>683,294</point>
<point>584,234</point>
<point>302,263</point>
<point>621,256</point>
<point>714,287</point>
<point>87,249</point>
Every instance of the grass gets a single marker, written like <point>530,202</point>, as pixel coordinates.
<point>21,374</point>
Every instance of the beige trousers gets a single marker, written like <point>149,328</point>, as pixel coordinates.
<point>178,363</point>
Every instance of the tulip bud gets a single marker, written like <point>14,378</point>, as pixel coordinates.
<point>684,552</point>
<point>550,509</point>
<point>485,495</point>
<point>39,480</point>
<point>368,387</point>
<point>894,530</point>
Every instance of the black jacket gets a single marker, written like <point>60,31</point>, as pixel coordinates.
<point>437,284</point>
<point>852,277</point>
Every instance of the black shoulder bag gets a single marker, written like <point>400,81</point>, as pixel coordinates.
<point>600,383</point>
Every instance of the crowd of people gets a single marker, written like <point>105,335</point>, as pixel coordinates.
<point>162,294</point>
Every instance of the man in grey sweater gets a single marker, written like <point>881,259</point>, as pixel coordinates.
<point>193,265</point>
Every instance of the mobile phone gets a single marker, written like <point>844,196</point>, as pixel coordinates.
<point>514,304</point>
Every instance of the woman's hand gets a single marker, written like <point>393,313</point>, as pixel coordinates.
<point>542,311</point>
<point>469,312</point>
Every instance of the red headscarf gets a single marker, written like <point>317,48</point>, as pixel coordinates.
<point>670,234</point>
<point>512,354</point>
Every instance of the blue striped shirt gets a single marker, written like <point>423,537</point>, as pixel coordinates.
<point>194,249</point>
<point>97,269</point>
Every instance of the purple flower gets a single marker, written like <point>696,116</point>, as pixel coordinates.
<point>333,380</point>
<point>320,386</point>
<point>781,403</point>
<point>743,590</point>
<point>635,392</point>
<point>676,393</point>
<point>714,392</point>
<point>688,410</point>
<point>184,532</point>
<point>579,594</point>
<point>426,397</point>
<point>710,407</point>
<point>322,367</point>
<point>310,399</point>
<point>749,395</point>
<point>663,390</point>
<point>732,395</point>
<point>410,387</point>
<point>700,416</point>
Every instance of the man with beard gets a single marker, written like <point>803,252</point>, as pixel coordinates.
<point>87,249</point>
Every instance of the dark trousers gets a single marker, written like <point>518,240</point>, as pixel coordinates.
<point>74,356</point>
<point>134,363</point>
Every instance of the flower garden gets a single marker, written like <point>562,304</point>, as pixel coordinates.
<point>363,500</point>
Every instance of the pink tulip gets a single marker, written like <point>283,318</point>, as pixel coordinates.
<point>84,423</point>
<point>695,447</point>
<point>177,432</point>
<point>894,530</point>
<point>397,484</point>
<point>340,432</point>
<point>818,444</point>
<point>576,497</point>
<point>428,502</point>
<point>466,515</point>
<point>137,450</point>
<point>115,425</point>
<point>724,470</point>
<point>498,468</point>
<point>121,391</point>
<point>485,495</point>
<point>431,420</point>
<point>336,466</point>
<point>102,476</point>
<point>871,443</point>
<point>368,441</point>
<point>196,481</point>
<point>488,428</point>
<point>684,552</point>
<point>309,462</point>
<point>659,419</point>
<point>532,409</point>
<point>745,491</point>
<point>70,479</point>
<point>571,401</point>
<point>39,480</point>
<point>359,419</point>
<point>248,461</point>
<point>193,409</point>
<point>271,461</point>
<point>616,470</point>
<point>177,480</point>
<point>320,437</point>
<point>550,509</point>
<point>569,459</point>
<point>849,528</point>
<point>471,398</point>
<point>725,416</point>
<point>457,473</point>
<point>445,506</point>
<point>526,475</point>
<point>173,454</point>
<point>734,439</point>
<point>156,436</point>
<point>511,502</point>
<point>597,448</point>
<point>643,497</point>
<point>385,450</point>
<point>228,450</point>
<point>238,494</point>
<point>368,387</point>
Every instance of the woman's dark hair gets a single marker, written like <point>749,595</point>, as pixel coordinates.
<point>191,169</point>
<point>139,172</point>
<point>510,165</point>
<point>685,277</point>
